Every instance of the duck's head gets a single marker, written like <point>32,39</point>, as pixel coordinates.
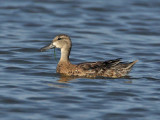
<point>61,41</point>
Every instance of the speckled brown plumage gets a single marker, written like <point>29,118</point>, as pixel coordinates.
<point>111,68</point>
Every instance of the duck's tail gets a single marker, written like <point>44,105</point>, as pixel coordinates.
<point>130,65</point>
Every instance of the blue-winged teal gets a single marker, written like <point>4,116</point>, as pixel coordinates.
<point>111,68</point>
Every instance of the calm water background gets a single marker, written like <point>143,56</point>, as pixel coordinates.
<point>30,88</point>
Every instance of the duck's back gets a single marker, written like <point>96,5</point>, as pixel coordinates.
<point>112,68</point>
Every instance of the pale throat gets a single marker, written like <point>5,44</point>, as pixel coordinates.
<point>65,52</point>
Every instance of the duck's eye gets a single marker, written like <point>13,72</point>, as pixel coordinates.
<point>59,38</point>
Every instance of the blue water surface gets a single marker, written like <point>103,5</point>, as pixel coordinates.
<point>30,88</point>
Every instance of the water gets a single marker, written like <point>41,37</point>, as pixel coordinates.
<point>30,88</point>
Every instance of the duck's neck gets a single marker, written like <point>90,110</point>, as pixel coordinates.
<point>65,52</point>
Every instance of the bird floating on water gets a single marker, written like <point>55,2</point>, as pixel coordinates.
<point>111,68</point>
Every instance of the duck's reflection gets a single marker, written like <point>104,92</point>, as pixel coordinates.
<point>67,79</point>
<point>62,80</point>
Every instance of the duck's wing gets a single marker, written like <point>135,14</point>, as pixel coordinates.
<point>99,64</point>
<point>111,68</point>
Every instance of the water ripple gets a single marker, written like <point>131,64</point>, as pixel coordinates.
<point>100,30</point>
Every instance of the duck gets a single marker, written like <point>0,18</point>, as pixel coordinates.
<point>109,68</point>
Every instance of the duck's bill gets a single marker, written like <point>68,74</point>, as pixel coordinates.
<point>50,46</point>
